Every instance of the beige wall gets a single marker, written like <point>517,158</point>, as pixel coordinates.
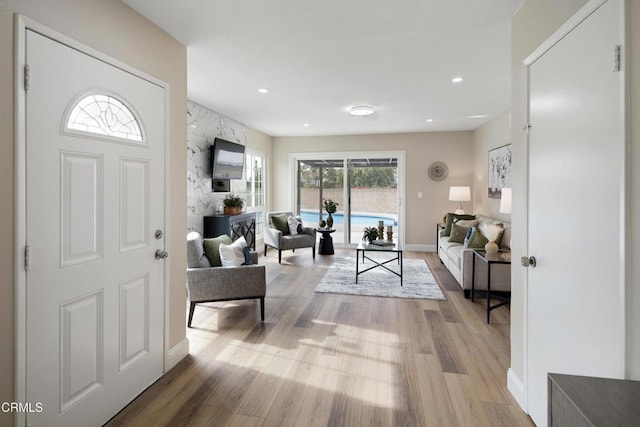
<point>534,22</point>
<point>113,28</point>
<point>495,133</point>
<point>453,148</point>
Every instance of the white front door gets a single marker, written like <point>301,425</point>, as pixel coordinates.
<point>95,197</point>
<point>576,207</point>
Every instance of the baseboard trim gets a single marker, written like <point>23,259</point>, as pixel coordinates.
<point>516,388</point>
<point>420,248</point>
<point>176,354</point>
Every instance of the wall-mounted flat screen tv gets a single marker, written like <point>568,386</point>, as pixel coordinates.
<point>227,159</point>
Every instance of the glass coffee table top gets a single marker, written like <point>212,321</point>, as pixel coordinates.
<point>388,246</point>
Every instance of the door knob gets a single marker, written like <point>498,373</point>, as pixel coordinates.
<point>528,262</point>
<point>160,254</point>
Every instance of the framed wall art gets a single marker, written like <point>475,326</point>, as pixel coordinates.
<point>499,175</point>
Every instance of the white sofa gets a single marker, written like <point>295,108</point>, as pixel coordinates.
<point>458,261</point>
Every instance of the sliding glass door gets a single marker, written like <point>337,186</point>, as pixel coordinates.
<point>373,195</point>
<point>366,189</point>
<point>320,180</point>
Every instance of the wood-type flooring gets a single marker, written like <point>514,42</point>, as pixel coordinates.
<point>337,360</point>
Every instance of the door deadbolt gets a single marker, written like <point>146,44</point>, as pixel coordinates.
<point>528,262</point>
<point>160,254</point>
<point>158,234</point>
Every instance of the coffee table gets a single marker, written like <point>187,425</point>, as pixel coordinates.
<point>394,249</point>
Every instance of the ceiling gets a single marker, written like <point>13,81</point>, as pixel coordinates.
<point>319,58</point>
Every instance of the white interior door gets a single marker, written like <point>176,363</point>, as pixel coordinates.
<point>95,314</point>
<point>576,207</point>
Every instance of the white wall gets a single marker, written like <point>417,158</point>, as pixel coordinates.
<point>633,356</point>
<point>495,133</point>
<point>453,148</point>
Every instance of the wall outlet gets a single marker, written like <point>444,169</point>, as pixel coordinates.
<point>419,194</point>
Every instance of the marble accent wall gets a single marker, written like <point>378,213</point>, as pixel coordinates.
<point>203,126</point>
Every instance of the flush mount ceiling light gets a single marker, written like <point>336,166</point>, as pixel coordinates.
<point>361,110</point>
<point>456,79</point>
<point>429,120</point>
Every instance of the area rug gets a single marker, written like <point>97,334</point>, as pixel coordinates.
<point>418,282</point>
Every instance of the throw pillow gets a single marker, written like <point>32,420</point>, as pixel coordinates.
<point>457,234</point>
<point>468,236</point>
<point>247,256</point>
<point>466,222</point>
<point>295,225</point>
<point>477,240</point>
<point>232,255</point>
<point>451,217</point>
<point>279,222</point>
<point>492,231</point>
<point>212,249</point>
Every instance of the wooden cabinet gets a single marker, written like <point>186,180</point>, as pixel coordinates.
<point>233,226</point>
<point>588,401</point>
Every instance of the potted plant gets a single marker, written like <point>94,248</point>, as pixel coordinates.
<point>330,206</point>
<point>370,234</point>
<point>233,204</point>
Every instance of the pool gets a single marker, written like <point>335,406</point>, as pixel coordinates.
<point>311,217</point>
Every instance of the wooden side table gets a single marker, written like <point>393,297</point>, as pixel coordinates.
<point>490,259</point>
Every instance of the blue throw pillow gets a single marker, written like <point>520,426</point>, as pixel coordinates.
<point>247,255</point>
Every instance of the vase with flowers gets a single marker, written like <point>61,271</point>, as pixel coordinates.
<point>331,207</point>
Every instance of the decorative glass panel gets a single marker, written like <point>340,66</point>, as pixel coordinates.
<point>104,115</point>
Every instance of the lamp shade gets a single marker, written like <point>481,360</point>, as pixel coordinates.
<point>460,194</point>
<point>505,201</point>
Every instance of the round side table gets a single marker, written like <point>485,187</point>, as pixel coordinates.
<point>326,241</point>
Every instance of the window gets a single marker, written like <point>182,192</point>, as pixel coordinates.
<point>104,115</point>
<point>255,191</point>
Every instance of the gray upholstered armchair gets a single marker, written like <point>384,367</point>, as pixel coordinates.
<point>282,241</point>
<point>210,284</point>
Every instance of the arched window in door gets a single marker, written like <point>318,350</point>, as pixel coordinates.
<point>104,115</point>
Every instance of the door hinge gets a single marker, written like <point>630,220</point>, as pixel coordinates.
<point>27,258</point>
<point>27,77</point>
<point>617,53</point>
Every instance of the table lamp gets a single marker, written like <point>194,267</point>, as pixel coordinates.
<point>459,194</point>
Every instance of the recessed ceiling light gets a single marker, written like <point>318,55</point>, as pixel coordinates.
<point>361,110</point>
<point>429,120</point>
<point>306,125</point>
<point>479,116</point>
<point>263,90</point>
<point>456,79</point>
